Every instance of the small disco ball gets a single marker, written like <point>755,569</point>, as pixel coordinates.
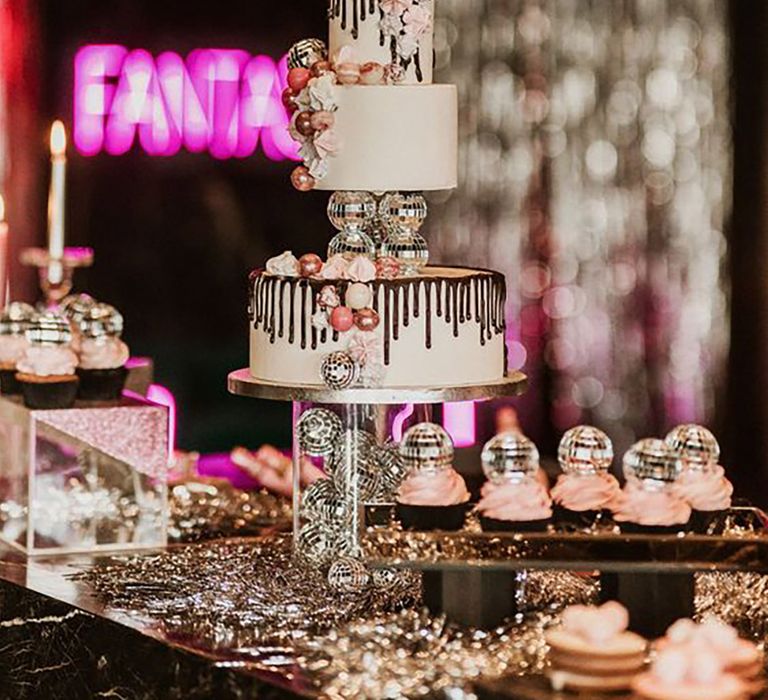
<point>426,446</point>
<point>408,248</point>
<point>391,467</point>
<point>385,578</point>
<point>585,450</point>
<point>351,243</point>
<point>351,211</point>
<point>696,446</point>
<point>49,328</point>
<point>322,502</point>
<point>16,318</point>
<point>317,430</point>
<point>653,460</point>
<point>405,210</point>
<point>101,321</point>
<point>355,467</point>
<point>76,306</point>
<point>348,575</point>
<point>317,542</point>
<point>339,371</point>
<point>509,456</point>
<point>305,53</point>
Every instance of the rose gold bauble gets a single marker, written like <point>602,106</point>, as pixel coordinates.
<point>304,123</point>
<point>320,68</point>
<point>302,179</point>
<point>366,319</point>
<point>310,264</point>
<point>322,120</point>
<point>298,78</point>
<point>289,100</point>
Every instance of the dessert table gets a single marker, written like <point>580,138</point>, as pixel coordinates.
<point>58,641</point>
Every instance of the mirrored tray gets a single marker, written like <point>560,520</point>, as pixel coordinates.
<point>741,549</point>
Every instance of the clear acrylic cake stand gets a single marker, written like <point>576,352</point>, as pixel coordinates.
<point>361,464</point>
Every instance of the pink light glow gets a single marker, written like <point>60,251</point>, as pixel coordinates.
<point>160,395</point>
<point>223,101</point>
<point>459,421</point>
<point>399,421</point>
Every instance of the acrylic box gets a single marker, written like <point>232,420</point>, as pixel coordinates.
<point>87,478</point>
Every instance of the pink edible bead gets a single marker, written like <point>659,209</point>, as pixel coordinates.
<point>342,318</point>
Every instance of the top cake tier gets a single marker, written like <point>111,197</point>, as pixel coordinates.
<point>396,33</point>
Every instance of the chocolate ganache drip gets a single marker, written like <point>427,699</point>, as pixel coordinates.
<point>479,297</point>
<point>361,10</point>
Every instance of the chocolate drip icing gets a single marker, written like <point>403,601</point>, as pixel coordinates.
<point>480,296</point>
<point>362,10</point>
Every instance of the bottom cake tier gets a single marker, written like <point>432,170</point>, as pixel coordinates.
<point>443,327</point>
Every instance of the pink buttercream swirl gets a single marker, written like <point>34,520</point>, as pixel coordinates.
<point>12,347</point>
<point>104,353</point>
<point>645,507</point>
<point>705,490</point>
<point>520,500</point>
<point>445,487</point>
<point>586,492</point>
<point>711,634</point>
<point>597,625</point>
<point>48,361</point>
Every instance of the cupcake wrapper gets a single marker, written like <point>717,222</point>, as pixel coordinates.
<point>101,384</point>
<point>9,385</point>
<point>705,522</point>
<point>636,529</point>
<point>579,519</point>
<point>49,395</point>
<point>494,525</point>
<point>378,514</point>
<point>425,518</point>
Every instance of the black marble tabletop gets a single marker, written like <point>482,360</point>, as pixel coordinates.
<point>58,642</point>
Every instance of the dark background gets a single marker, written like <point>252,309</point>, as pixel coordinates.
<point>175,238</point>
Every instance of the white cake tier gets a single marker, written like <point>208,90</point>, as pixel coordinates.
<point>356,23</point>
<point>443,328</point>
<point>395,138</point>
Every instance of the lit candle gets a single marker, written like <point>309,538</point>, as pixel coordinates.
<point>4,276</point>
<point>56,201</point>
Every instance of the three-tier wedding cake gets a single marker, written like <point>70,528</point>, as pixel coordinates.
<point>374,129</point>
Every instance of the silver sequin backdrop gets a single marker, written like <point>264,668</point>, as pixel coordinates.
<point>595,171</point>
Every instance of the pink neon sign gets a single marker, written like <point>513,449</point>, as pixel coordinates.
<point>223,101</point>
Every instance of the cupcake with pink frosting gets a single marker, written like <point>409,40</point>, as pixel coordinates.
<point>649,502</point>
<point>513,499</point>
<point>14,321</point>
<point>46,370</point>
<point>433,496</point>
<point>689,672</point>
<point>702,482</point>
<point>586,492</point>
<point>103,354</point>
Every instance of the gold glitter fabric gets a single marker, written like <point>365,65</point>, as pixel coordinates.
<point>201,509</point>
<point>240,596</point>
<point>412,654</point>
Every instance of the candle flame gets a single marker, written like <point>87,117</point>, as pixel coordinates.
<point>58,139</point>
<point>2,208</point>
